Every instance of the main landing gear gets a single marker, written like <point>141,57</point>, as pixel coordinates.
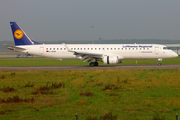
<point>92,64</point>
<point>159,61</point>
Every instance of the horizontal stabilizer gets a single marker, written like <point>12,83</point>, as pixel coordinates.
<point>14,47</point>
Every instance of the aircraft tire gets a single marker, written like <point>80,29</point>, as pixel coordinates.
<point>91,64</point>
<point>96,64</point>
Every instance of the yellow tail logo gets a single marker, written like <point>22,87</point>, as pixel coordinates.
<point>18,34</point>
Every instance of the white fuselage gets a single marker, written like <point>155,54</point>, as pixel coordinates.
<point>125,51</point>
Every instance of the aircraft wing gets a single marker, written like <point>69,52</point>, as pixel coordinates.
<point>89,54</point>
<point>86,56</point>
<point>14,47</point>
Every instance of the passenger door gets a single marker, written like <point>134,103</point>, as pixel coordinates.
<point>156,50</point>
<point>41,50</point>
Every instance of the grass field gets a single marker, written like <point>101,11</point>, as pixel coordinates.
<point>93,95</point>
<point>53,62</point>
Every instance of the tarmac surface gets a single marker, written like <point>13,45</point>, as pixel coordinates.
<point>104,67</point>
<point>8,56</point>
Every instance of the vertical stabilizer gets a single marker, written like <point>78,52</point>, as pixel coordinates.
<point>20,37</point>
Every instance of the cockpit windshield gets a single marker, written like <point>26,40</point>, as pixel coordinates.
<point>164,48</point>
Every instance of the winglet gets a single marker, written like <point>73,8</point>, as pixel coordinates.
<point>69,50</point>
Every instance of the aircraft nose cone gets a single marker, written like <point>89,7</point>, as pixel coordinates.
<point>175,54</point>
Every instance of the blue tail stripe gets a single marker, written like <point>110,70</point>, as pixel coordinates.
<point>20,37</point>
<point>35,43</point>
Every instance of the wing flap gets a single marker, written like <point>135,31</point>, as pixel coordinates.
<point>88,54</point>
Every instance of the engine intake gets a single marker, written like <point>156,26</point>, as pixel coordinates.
<point>111,60</point>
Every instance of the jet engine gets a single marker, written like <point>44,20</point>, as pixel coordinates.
<point>111,60</point>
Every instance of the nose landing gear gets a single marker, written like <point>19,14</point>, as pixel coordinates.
<point>159,62</point>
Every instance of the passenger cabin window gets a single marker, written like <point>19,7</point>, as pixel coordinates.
<point>50,48</point>
<point>57,48</point>
<point>64,48</point>
<point>91,48</point>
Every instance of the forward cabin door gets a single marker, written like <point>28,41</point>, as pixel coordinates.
<point>156,50</point>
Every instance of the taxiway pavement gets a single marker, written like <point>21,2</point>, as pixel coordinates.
<point>32,68</point>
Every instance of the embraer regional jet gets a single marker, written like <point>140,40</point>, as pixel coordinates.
<point>106,53</point>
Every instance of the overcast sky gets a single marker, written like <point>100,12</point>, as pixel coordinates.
<point>52,20</point>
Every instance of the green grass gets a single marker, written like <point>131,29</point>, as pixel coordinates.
<point>54,62</point>
<point>127,94</point>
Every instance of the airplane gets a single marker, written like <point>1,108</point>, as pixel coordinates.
<point>92,53</point>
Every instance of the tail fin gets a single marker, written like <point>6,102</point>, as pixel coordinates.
<point>20,37</point>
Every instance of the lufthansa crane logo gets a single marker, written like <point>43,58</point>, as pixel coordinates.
<point>18,34</point>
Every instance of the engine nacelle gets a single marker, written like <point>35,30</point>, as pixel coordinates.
<point>111,60</point>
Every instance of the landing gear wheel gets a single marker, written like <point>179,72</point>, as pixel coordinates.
<point>95,63</point>
<point>159,64</point>
<point>91,64</point>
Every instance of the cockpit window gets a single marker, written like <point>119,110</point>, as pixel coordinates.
<point>164,48</point>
